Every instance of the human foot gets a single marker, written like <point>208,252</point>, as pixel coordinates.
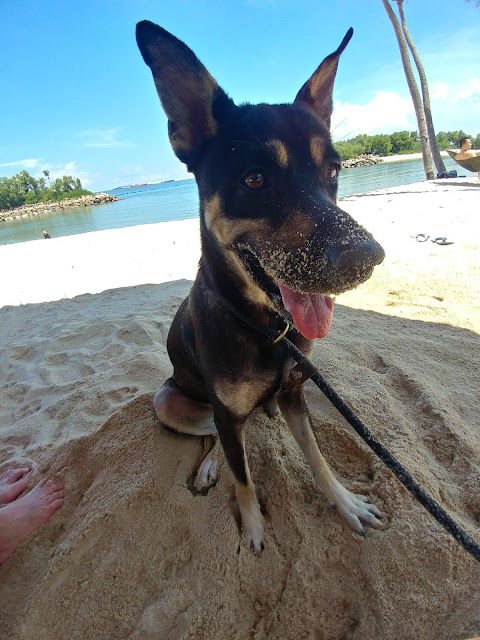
<point>12,483</point>
<point>20,518</point>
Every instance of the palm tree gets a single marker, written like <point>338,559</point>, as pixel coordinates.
<point>437,158</point>
<point>46,173</point>
<point>414,92</point>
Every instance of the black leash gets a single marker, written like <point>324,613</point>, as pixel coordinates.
<point>306,369</point>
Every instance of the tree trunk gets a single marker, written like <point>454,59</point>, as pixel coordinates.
<point>437,158</point>
<point>414,92</point>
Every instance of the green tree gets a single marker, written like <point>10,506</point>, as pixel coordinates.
<point>23,188</point>
<point>381,144</point>
<point>443,140</point>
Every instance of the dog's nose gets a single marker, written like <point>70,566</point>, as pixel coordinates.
<point>363,255</point>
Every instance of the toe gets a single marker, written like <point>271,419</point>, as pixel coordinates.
<point>56,495</point>
<point>257,546</point>
<point>15,474</point>
<point>373,509</point>
<point>355,524</point>
<point>370,520</point>
<point>52,508</point>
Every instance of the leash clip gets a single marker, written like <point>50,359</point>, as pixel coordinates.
<point>302,371</point>
<point>282,335</point>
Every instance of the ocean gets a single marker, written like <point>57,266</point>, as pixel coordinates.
<point>178,200</point>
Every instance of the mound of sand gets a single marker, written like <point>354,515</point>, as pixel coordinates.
<point>133,554</point>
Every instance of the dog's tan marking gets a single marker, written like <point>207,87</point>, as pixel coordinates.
<point>192,114</point>
<point>209,86</point>
<point>317,149</point>
<point>212,211</point>
<point>241,397</point>
<point>251,290</point>
<point>226,232</point>
<point>280,151</point>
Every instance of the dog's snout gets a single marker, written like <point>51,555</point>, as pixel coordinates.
<point>365,254</point>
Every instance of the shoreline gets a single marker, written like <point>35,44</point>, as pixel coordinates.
<point>130,256</point>
<point>409,156</point>
<point>28,210</point>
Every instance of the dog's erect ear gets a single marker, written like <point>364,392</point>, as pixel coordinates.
<point>193,102</point>
<point>317,91</point>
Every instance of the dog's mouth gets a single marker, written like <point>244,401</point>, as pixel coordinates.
<point>312,313</point>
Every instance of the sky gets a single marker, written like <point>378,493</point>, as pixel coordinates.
<point>77,98</point>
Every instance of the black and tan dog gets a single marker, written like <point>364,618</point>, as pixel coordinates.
<point>275,247</point>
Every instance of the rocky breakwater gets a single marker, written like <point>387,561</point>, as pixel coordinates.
<point>28,210</point>
<point>365,160</point>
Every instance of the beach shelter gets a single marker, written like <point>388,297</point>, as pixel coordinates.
<point>470,164</point>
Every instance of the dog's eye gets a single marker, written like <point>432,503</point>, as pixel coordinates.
<point>332,172</point>
<point>254,180</point>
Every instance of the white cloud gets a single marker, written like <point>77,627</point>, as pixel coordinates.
<point>56,170</point>
<point>388,111</point>
<point>472,92</point>
<point>439,91</point>
<point>68,169</point>
<point>104,138</point>
<point>30,163</point>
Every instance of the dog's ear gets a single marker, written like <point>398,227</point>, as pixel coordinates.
<point>317,92</point>
<point>194,103</point>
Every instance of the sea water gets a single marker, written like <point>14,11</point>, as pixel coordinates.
<point>178,200</point>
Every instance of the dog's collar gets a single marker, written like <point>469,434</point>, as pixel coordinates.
<point>274,335</point>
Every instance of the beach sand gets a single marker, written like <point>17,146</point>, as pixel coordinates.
<point>133,554</point>
<point>409,156</point>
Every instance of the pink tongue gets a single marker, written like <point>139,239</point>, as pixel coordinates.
<point>311,312</point>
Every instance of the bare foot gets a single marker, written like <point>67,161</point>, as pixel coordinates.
<point>12,483</point>
<point>20,518</point>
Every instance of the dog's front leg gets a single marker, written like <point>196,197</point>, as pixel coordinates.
<point>232,437</point>
<point>354,508</point>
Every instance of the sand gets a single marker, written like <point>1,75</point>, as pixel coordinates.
<point>409,156</point>
<point>133,554</point>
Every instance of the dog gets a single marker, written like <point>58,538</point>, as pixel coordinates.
<point>275,249</point>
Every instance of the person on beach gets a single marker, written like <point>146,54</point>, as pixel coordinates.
<point>466,151</point>
<point>19,517</point>
<point>46,235</point>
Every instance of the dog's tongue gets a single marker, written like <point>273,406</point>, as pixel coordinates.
<point>311,312</point>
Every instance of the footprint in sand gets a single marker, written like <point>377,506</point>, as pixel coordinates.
<point>402,299</point>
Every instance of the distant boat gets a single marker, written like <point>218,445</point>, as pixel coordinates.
<point>145,184</point>
<point>470,164</point>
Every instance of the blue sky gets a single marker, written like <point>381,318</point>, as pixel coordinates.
<point>77,98</point>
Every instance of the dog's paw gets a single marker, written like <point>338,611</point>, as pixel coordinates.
<point>358,511</point>
<point>207,475</point>
<point>254,529</point>
<point>253,525</point>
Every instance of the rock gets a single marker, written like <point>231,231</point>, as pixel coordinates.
<point>47,207</point>
<point>365,160</point>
